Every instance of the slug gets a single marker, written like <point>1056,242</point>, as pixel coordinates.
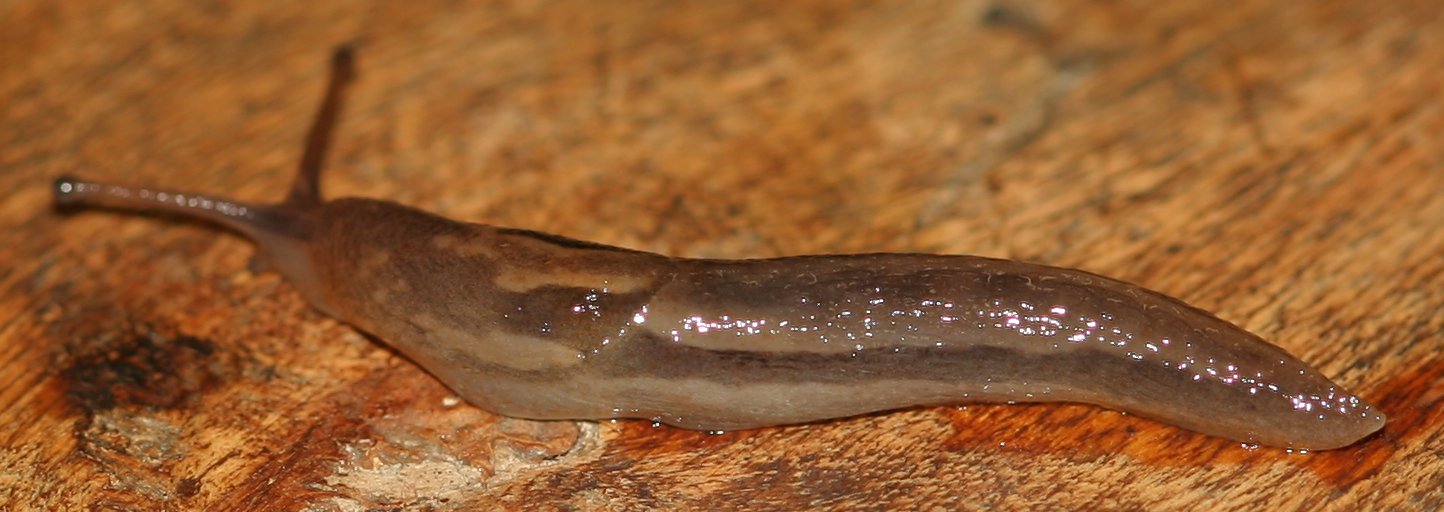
<point>533,325</point>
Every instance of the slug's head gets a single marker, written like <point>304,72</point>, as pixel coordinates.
<point>282,230</point>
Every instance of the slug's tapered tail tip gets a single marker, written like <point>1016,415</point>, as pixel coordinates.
<point>1369,420</point>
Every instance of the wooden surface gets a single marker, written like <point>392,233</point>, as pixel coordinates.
<point>1281,164</point>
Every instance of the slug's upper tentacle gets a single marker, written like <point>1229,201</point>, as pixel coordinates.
<point>306,189</point>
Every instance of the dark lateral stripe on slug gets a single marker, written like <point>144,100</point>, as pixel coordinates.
<point>1091,371</point>
<point>1144,387</point>
<point>562,241</point>
<point>993,374</point>
<point>976,363</point>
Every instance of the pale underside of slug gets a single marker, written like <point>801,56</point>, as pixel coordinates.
<point>537,326</point>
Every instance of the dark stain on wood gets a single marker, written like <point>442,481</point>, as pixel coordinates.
<point>145,369</point>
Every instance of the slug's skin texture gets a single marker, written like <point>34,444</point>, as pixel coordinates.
<point>537,326</point>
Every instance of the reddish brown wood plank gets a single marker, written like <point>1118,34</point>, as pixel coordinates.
<point>1276,162</point>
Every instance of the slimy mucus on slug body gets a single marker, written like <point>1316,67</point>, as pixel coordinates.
<point>538,326</point>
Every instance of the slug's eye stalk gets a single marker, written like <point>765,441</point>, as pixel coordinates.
<point>73,193</point>
<point>306,190</point>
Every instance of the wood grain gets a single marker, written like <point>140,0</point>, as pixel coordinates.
<point>1279,163</point>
